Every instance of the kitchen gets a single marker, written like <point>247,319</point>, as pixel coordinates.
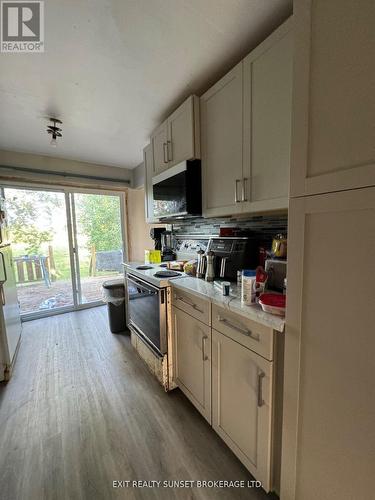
<point>247,224</point>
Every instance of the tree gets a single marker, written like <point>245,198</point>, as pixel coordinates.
<point>100,219</point>
<point>23,208</point>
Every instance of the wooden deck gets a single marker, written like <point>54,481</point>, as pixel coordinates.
<point>37,296</point>
<point>82,410</point>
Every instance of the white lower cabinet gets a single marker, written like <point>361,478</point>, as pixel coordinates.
<point>192,360</point>
<point>242,388</point>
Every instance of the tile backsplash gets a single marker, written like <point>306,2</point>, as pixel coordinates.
<point>268,225</point>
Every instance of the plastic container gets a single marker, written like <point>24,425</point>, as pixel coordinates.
<point>248,287</point>
<point>273,303</point>
<point>114,296</point>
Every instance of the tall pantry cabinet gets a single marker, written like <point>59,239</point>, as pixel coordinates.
<point>329,396</point>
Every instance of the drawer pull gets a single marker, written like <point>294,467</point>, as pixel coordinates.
<point>261,376</point>
<point>191,304</point>
<point>204,357</point>
<point>244,331</point>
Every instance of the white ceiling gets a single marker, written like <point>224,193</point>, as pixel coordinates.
<point>113,69</point>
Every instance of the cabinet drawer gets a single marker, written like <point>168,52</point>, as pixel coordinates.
<point>193,305</point>
<point>250,334</point>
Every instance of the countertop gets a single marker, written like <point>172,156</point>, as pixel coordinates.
<point>232,302</point>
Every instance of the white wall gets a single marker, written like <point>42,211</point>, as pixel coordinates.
<point>139,176</point>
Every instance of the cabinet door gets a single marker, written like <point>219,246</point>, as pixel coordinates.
<point>159,148</point>
<point>242,404</point>
<point>192,347</point>
<point>181,132</point>
<point>221,134</point>
<point>334,102</point>
<point>329,396</point>
<point>149,199</point>
<point>267,121</point>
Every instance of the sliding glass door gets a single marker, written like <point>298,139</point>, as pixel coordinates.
<point>97,242</point>
<point>65,245</point>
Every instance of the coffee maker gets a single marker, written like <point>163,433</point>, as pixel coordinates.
<point>167,246</point>
<point>155,234</point>
<point>233,254</point>
<point>163,242</point>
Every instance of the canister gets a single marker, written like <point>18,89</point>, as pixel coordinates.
<point>248,287</point>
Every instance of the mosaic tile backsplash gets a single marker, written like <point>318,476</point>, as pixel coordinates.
<point>268,225</point>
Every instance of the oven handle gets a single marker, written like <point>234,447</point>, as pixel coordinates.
<point>139,281</point>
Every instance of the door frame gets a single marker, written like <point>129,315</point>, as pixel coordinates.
<point>68,192</point>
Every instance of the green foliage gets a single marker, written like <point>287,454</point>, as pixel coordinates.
<point>23,208</point>
<point>99,219</point>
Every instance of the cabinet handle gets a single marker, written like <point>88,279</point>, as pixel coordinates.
<point>244,189</point>
<point>261,376</point>
<point>2,294</point>
<point>165,155</point>
<point>191,304</point>
<point>169,149</point>
<point>236,200</point>
<point>244,331</point>
<point>204,357</point>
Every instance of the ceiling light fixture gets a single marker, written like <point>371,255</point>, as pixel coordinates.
<point>54,131</point>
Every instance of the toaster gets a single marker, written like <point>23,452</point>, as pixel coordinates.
<point>276,270</point>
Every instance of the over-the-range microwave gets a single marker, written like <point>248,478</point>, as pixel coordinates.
<point>177,192</point>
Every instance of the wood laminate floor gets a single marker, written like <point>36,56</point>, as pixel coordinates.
<point>82,410</point>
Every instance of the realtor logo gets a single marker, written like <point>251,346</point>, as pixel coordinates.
<point>22,26</point>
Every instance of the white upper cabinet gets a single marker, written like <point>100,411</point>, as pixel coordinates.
<point>333,139</point>
<point>221,134</point>
<point>246,129</point>
<point>183,132</point>
<point>149,200</point>
<point>267,121</point>
<point>177,138</point>
<point>159,148</point>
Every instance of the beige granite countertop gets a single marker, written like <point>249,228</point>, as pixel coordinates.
<point>232,302</point>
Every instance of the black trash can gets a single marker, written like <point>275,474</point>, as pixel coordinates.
<point>114,295</point>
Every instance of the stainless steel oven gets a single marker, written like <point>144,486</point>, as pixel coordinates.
<point>147,312</point>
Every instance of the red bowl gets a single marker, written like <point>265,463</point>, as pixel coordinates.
<point>273,299</point>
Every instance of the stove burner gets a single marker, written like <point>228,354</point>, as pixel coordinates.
<point>163,265</point>
<point>143,268</point>
<point>167,274</point>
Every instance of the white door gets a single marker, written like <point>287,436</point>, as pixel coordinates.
<point>221,134</point>
<point>181,133</point>
<point>159,148</point>
<point>242,404</point>
<point>329,395</point>
<point>267,121</point>
<point>192,340</point>
<point>333,144</point>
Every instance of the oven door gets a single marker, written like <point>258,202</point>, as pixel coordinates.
<point>147,312</point>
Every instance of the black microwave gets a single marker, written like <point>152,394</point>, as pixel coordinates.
<point>177,192</point>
